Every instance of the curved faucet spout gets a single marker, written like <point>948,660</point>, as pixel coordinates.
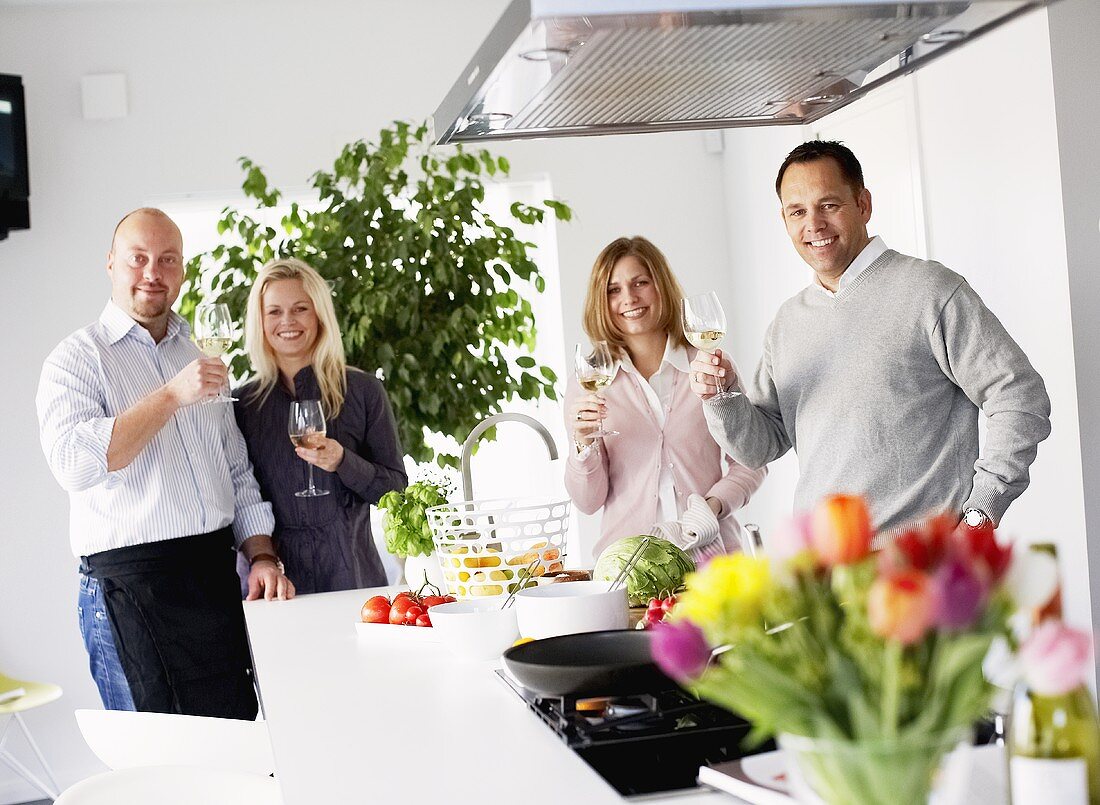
<point>484,425</point>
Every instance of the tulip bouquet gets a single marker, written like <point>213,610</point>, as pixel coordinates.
<point>876,656</point>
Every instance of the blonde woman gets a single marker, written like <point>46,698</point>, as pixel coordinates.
<point>294,342</point>
<point>663,472</point>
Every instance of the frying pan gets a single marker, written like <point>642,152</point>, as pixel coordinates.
<point>611,663</point>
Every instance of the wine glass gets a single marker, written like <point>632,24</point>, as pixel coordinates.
<point>705,327</point>
<point>595,369</point>
<point>307,429</point>
<point>214,336</point>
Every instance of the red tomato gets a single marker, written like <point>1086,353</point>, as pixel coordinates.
<point>424,620</point>
<point>412,613</point>
<point>400,608</point>
<point>403,595</point>
<point>430,601</point>
<point>376,610</point>
<point>449,599</point>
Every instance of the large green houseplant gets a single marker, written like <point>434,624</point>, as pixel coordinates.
<point>428,286</point>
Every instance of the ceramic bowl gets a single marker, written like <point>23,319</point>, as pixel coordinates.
<point>475,630</point>
<point>578,606</point>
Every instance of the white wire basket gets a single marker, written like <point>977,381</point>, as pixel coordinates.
<point>486,548</point>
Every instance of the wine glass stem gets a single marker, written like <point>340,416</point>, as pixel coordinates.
<point>311,489</point>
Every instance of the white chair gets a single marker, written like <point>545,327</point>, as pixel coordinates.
<point>175,760</point>
<point>173,785</point>
<point>25,695</point>
<point>125,739</point>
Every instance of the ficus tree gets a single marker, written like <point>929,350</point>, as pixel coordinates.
<point>430,290</point>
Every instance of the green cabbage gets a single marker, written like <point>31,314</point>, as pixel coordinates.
<point>659,571</point>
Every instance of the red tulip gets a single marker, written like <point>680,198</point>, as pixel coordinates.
<point>922,547</point>
<point>981,547</point>
<point>841,530</point>
<point>901,606</point>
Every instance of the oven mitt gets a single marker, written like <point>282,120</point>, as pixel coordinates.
<point>670,531</point>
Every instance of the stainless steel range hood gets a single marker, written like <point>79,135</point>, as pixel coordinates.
<point>560,68</point>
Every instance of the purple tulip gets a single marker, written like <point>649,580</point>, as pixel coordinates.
<point>680,649</point>
<point>961,595</point>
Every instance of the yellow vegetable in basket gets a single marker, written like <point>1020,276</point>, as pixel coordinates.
<point>524,559</point>
<point>490,561</point>
<point>551,554</point>
<point>500,575</point>
<point>486,589</point>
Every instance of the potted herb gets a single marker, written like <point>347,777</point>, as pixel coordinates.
<point>408,533</point>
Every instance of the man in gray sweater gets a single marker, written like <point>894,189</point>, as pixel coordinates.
<point>875,372</point>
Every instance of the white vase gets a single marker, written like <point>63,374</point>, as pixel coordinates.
<point>419,569</point>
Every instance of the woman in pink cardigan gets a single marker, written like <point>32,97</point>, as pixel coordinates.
<point>662,473</point>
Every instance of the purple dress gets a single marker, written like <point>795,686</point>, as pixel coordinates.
<point>325,542</point>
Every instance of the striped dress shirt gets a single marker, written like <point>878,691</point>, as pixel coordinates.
<point>193,477</point>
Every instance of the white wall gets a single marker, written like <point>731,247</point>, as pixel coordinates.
<point>982,192</point>
<point>1075,62</point>
<point>287,84</point>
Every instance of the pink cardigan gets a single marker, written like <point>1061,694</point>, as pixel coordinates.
<point>622,476</point>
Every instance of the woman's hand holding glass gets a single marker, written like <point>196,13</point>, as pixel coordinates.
<point>326,453</point>
<point>586,415</point>
<point>595,369</point>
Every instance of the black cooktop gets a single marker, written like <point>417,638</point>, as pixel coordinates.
<point>648,744</point>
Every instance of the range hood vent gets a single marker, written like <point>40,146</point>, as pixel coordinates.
<point>560,68</point>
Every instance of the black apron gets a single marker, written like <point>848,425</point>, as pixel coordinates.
<point>175,613</point>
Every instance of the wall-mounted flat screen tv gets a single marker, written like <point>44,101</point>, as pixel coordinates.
<point>15,185</point>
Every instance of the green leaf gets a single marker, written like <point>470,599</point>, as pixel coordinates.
<point>428,289</point>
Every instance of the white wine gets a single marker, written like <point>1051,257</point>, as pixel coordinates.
<point>214,347</point>
<point>705,340</point>
<point>1054,739</point>
<point>311,440</point>
<point>595,382</point>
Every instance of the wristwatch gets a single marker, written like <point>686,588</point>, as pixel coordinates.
<point>975,518</point>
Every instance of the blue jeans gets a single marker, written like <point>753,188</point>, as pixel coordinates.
<point>100,643</point>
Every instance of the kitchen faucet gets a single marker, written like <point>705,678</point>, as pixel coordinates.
<point>484,425</point>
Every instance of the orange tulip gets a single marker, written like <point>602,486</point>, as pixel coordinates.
<point>841,530</point>
<point>901,606</point>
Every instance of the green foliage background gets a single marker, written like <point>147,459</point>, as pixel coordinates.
<point>427,286</point>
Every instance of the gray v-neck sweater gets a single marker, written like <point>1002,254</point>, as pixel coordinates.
<point>878,390</point>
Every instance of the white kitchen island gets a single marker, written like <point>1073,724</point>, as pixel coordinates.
<point>357,722</point>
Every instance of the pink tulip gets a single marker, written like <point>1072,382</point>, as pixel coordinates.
<point>901,606</point>
<point>1054,658</point>
<point>793,539</point>
<point>680,649</point>
<point>841,530</point>
<point>961,594</point>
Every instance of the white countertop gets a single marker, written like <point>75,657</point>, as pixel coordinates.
<point>356,722</point>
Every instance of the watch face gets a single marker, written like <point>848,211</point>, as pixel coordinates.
<point>973,518</point>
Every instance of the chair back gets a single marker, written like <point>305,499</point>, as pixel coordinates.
<point>125,739</point>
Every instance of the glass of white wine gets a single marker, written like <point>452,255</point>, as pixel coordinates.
<point>705,327</point>
<point>595,370</point>
<point>307,429</point>
<point>214,336</point>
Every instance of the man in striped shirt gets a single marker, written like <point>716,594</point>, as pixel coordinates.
<point>161,491</point>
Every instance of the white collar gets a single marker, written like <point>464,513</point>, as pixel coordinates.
<point>871,252</point>
<point>675,355</point>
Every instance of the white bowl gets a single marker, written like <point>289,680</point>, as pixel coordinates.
<point>475,630</point>
<point>569,608</point>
